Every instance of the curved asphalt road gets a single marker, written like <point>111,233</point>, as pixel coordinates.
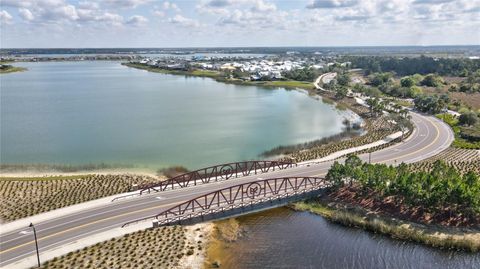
<point>429,138</point>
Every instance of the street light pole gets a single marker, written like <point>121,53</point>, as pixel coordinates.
<point>370,157</point>
<point>36,242</point>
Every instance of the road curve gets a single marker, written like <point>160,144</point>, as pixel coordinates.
<point>429,137</point>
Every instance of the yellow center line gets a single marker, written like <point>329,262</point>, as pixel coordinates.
<point>84,225</point>
<point>433,142</point>
<point>418,150</point>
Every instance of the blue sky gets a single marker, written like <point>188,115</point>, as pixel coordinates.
<point>211,23</point>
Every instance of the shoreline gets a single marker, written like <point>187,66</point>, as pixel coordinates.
<point>217,76</point>
<point>443,237</point>
<point>31,175</point>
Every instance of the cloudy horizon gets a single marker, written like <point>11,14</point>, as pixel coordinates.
<point>237,23</point>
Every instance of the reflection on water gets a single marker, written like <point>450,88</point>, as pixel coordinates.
<point>282,238</point>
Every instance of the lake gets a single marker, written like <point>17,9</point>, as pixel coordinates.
<point>102,112</point>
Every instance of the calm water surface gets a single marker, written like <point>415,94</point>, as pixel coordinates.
<point>93,112</point>
<point>282,238</point>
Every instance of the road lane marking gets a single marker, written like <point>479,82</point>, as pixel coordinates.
<point>85,225</point>
<point>418,150</point>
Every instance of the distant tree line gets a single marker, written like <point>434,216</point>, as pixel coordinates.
<point>405,66</point>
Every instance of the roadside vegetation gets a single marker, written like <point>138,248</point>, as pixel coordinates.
<point>463,160</point>
<point>23,197</point>
<point>466,129</point>
<point>162,247</point>
<point>442,195</point>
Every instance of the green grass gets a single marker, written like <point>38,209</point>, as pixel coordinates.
<point>459,142</point>
<point>290,84</point>
<point>204,73</point>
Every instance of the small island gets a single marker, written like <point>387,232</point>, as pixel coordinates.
<point>7,68</point>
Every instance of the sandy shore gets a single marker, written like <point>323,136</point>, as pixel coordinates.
<point>198,235</point>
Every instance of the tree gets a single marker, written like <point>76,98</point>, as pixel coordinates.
<point>343,79</point>
<point>336,174</point>
<point>402,119</point>
<point>469,118</point>
<point>380,78</point>
<point>431,104</point>
<point>353,161</point>
<point>376,106</point>
<point>341,92</point>
<point>407,82</point>
<point>432,80</point>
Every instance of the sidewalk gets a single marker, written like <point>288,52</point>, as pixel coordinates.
<point>344,152</point>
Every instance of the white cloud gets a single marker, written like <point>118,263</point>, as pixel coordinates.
<point>5,17</point>
<point>332,3</point>
<point>137,20</point>
<point>159,13</point>
<point>110,18</point>
<point>262,6</point>
<point>432,2</point>
<point>183,21</point>
<point>25,14</point>
<point>88,5</point>
<point>307,22</point>
<point>170,6</point>
<point>127,3</point>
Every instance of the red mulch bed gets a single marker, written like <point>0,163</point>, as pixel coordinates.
<point>394,206</point>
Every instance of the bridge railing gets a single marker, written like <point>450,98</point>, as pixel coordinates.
<point>237,196</point>
<point>217,173</point>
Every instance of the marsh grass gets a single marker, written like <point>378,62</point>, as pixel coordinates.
<point>432,235</point>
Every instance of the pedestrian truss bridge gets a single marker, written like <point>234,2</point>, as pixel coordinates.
<point>235,199</point>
